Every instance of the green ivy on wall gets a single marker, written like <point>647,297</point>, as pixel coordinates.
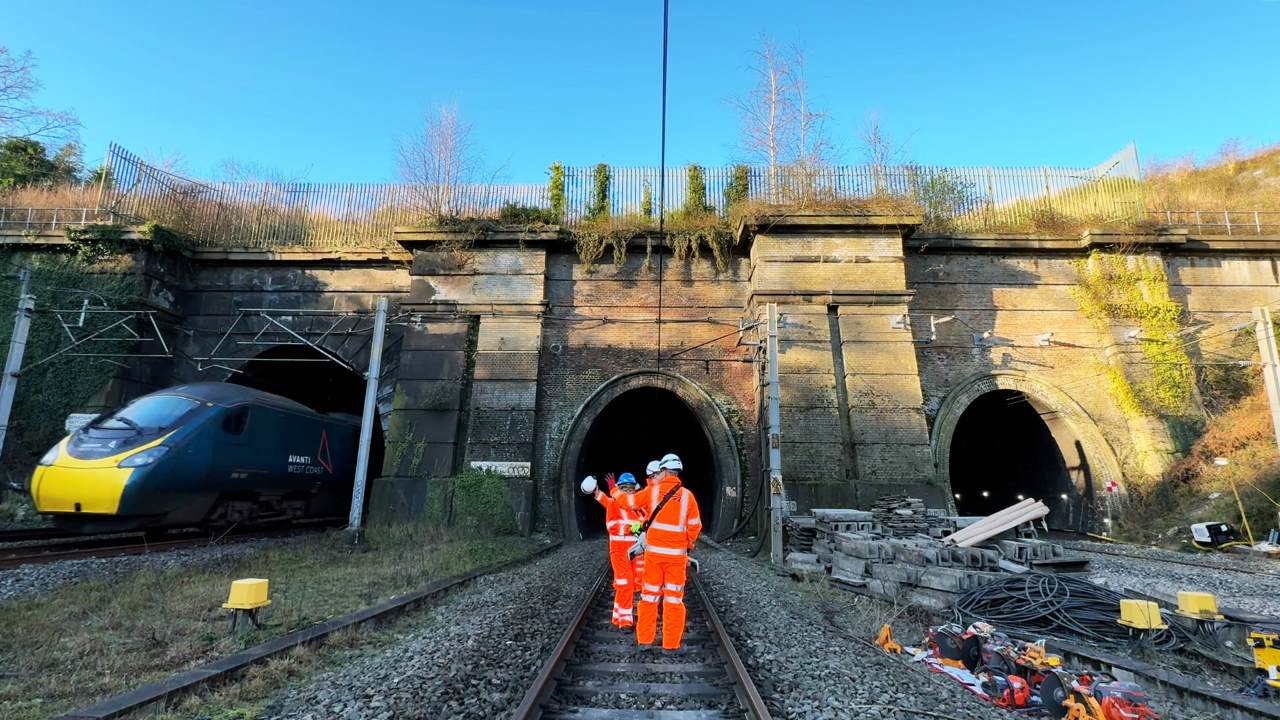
<point>47,392</point>
<point>1115,288</point>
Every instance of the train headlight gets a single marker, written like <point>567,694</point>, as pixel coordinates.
<point>146,457</point>
<point>50,456</point>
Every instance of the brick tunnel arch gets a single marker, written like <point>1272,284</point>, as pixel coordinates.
<point>304,374</point>
<point>1007,434</point>
<point>639,416</point>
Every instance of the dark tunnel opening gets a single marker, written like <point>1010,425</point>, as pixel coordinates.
<point>638,426</point>
<point>1003,451</point>
<point>303,374</point>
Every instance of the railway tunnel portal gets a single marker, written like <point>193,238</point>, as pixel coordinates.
<point>639,417</point>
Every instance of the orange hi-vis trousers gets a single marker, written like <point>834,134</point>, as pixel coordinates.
<point>626,576</point>
<point>662,581</point>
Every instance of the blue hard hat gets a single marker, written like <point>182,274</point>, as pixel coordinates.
<point>627,479</point>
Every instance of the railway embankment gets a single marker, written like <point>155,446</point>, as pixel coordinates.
<point>105,632</point>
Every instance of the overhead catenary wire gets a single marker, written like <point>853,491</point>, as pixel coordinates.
<point>662,178</point>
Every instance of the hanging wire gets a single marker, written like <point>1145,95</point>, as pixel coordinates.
<point>662,179</point>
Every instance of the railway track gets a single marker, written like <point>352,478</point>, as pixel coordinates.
<point>1172,561</point>
<point>33,534</point>
<point>597,672</point>
<point>71,546</point>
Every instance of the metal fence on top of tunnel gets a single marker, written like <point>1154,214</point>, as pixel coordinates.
<point>332,215</point>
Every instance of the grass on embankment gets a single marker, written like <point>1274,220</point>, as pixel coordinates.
<point>89,640</point>
<point>1196,490</point>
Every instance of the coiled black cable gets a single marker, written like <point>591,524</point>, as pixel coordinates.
<point>1042,605</point>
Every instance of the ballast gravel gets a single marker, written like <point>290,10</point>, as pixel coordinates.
<point>802,651</point>
<point>1239,581</point>
<point>30,581</point>
<point>472,656</point>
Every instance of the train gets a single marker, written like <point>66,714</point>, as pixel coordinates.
<point>199,455</point>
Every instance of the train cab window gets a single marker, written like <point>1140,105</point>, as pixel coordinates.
<point>156,412</point>
<point>235,422</point>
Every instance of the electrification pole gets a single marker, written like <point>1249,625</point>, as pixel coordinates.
<point>17,346</point>
<point>1266,332</point>
<point>368,417</point>
<point>777,492</point>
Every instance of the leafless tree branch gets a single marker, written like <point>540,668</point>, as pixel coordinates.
<point>780,127</point>
<point>19,116</point>
<point>441,160</point>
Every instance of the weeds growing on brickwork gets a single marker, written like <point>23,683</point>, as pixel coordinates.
<point>1195,489</point>
<point>1116,289</point>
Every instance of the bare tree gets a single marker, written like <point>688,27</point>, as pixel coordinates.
<point>768,113</point>
<point>813,146</point>
<point>879,149</point>
<point>19,116</point>
<point>877,145</point>
<point>780,127</point>
<point>439,160</point>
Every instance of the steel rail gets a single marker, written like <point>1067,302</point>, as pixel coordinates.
<point>31,534</point>
<point>561,661</point>
<point>117,544</point>
<point>747,691</point>
<point>544,683</point>
<point>1171,561</point>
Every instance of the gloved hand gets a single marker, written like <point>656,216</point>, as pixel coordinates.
<point>611,482</point>
<point>589,484</point>
<point>635,528</point>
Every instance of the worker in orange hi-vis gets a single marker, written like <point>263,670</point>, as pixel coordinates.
<point>618,520</point>
<point>669,533</point>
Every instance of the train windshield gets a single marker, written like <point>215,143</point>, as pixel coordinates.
<point>156,412</point>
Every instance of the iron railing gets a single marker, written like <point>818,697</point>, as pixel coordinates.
<point>343,215</point>
<point>36,219</point>
<point>1222,222</point>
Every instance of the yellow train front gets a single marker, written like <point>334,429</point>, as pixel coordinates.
<point>204,454</point>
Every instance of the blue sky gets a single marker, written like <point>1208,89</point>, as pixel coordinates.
<point>321,91</point>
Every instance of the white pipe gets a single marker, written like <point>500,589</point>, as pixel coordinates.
<point>1000,524</point>
<point>1035,513</point>
<point>986,521</point>
<point>1007,524</point>
<point>995,517</point>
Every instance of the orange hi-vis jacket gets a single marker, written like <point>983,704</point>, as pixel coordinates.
<point>618,518</point>
<point>678,524</point>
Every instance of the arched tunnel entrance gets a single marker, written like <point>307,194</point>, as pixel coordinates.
<point>1005,436</point>
<point>304,374</point>
<point>642,425</point>
<point>641,416</point>
<point>1003,452</point>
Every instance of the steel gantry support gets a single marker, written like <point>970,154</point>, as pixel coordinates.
<point>777,491</point>
<point>1265,329</point>
<point>368,416</point>
<point>17,346</point>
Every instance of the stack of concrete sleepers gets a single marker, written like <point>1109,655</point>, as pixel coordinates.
<point>855,550</point>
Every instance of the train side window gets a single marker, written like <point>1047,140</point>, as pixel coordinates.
<point>236,422</point>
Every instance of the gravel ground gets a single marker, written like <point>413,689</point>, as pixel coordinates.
<point>30,581</point>
<point>807,668</point>
<point>472,656</point>
<point>1219,575</point>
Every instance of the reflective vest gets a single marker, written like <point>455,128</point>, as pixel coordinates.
<point>618,518</point>
<point>678,523</point>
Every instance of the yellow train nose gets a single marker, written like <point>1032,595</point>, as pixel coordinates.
<point>72,485</point>
<point>59,489</point>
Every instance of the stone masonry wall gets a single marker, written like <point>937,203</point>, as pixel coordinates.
<point>602,322</point>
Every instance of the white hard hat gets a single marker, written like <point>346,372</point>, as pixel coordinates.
<point>653,467</point>
<point>589,484</point>
<point>671,461</point>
